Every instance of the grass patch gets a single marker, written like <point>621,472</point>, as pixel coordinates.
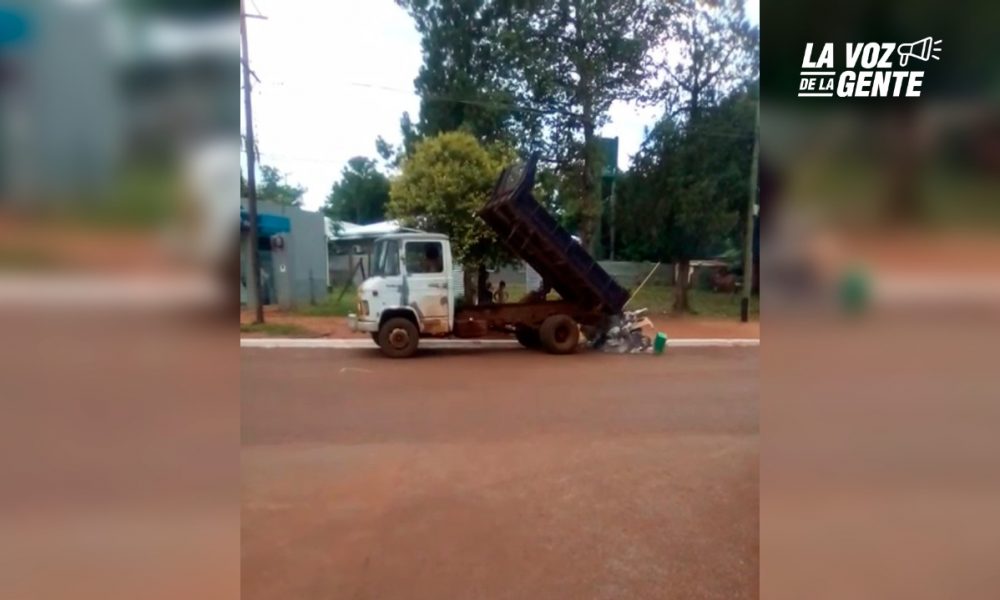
<point>283,329</point>
<point>331,306</point>
<point>142,196</point>
<point>26,260</point>
<point>704,303</point>
<point>659,299</point>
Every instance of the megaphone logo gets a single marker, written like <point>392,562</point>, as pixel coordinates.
<point>925,49</point>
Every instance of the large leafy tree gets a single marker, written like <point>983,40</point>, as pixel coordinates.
<point>712,52</point>
<point>683,197</point>
<point>273,187</point>
<point>571,59</point>
<point>361,194</point>
<point>461,83</point>
<point>443,183</point>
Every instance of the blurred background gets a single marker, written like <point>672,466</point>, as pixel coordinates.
<point>880,463</point>
<point>119,162</point>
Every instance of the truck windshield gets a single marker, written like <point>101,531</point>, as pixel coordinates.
<point>386,258</point>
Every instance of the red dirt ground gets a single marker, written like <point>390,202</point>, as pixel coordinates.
<point>499,474</point>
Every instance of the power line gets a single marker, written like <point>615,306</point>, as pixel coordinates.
<point>444,98</point>
<point>484,103</point>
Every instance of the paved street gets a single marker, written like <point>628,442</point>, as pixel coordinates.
<point>499,474</point>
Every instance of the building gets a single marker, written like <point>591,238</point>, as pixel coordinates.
<point>293,255</point>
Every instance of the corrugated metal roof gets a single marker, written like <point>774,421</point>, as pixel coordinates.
<point>343,230</point>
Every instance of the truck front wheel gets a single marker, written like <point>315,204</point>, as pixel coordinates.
<point>398,338</point>
<point>559,334</point>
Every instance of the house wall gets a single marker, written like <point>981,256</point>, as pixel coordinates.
<point>307,249</point>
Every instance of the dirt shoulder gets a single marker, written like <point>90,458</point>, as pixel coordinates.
<point>336,327</point>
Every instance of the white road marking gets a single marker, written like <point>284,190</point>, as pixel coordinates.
<point>348,343</point>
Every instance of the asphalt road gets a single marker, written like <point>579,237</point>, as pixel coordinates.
<point>499,474</point>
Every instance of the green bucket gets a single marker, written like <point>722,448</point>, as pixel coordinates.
<point>660,343</point>
<point>855,291</point>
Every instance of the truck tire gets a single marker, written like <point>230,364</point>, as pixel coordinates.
<point>398,338</point>
<point>374,335</point>
<point>559,334</point>
<point>527,337</point>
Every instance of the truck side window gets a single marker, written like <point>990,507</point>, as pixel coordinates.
<point>386,258</point>
<point>424,257</point>
<point>392,258</point>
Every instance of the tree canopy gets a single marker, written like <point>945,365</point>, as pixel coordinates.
<point>443,183</point>
<point>462,80</point>
<point>684,196</point>
<point>361,194</point>
<point>537,74</point>
<point>273,187</point>
<point>544,74</point>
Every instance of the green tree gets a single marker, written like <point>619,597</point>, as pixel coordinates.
<point>460,83</point>
<point>273,188</point>
<point>714,52</point>
<point>570,60</point>
<point>687,188</point>
<point>443,183</point>
<point>683,197</point>
<point>361,194</point>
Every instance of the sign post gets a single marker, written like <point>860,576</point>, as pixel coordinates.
<point>609,174</point>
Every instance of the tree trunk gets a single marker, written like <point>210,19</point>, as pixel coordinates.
<point>681,287</point>
<point>482,277</point>
<point>590,203</point>
<point>469,296</point>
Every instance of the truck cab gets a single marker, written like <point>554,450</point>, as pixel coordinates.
<point>410,293</point>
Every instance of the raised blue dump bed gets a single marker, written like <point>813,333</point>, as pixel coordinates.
<point>531,233</point>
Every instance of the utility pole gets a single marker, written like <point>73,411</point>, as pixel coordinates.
<point>751,205</point>
<point>253,274</point>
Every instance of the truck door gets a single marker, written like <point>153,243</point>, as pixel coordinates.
<point>425,284</point>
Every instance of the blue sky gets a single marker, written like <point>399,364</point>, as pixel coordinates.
<point>336,74</point>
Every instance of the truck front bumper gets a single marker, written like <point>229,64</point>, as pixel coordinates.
<point>361,325</point>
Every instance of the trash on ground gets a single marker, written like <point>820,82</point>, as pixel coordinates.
<point>626,335</point>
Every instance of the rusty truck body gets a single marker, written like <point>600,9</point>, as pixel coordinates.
<point>412,293</point>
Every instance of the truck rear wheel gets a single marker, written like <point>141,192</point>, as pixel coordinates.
<point>398,338</point>
<point>559,334</point>
<point>527,337</point>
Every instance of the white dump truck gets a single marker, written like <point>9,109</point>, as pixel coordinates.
<point>411,293</point>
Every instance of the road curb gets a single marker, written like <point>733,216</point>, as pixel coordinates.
<point>349,343</point>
